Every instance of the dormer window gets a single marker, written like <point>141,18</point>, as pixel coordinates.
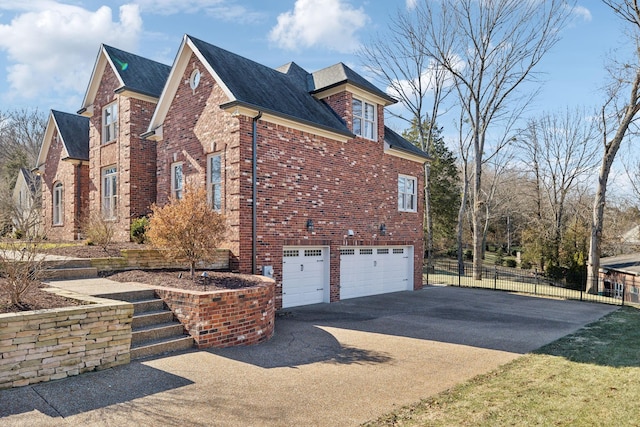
<point>364,119</point>
<point>109,123</point>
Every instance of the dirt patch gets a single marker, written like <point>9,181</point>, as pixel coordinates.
<point>180,279</point>
<point>35,299</point>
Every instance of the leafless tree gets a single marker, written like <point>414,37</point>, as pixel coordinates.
<point>619,114</point>
<point>21,133</point>
<point>561,150</point>
<point>398,61</point>
<point>490,48</point>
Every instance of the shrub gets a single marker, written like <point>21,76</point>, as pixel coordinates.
<point>18,234</point>
<point>138,229</point>
<point>510,263</point>
<point>187,228</point>
<point>468,254</point>
<point>99,231</point>
<point>526,265</point>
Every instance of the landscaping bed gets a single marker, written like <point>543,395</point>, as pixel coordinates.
<point>35,299</point>
<point>180,279</point>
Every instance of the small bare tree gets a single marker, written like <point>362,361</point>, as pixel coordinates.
<point>99,231</point>
<point>187,228</point>
<point>23,266</point>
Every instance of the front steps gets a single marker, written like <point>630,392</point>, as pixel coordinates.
<point>70,269</point>
<point>154,328</point>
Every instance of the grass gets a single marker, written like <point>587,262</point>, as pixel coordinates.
<point>589,378</point>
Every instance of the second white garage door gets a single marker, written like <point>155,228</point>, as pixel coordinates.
<point>375,270</point>
<point>305,276</point>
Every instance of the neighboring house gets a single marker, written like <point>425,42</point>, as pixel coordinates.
<point>63,166</point>
<point>27,204</point>
<point>120,100</point>
<point>619,276</point>
<point>330,200</point>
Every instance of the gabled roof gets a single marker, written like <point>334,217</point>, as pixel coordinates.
<point>397,142</point>
<point>256,85</point>
<point>73,131</point>
<point>628,263</point>
<point>338,74</point>
<point>135,74</point>
<point>30,179</point>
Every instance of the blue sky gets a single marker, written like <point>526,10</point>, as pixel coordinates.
<point>48,47</point>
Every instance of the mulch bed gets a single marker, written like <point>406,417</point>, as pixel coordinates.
<point>180,279</point>
<point>35,299</point>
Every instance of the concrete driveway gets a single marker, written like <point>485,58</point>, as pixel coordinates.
<point>327,365</point>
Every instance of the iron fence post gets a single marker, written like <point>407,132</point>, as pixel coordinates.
<point>495,277</point>
<point>535,286</point>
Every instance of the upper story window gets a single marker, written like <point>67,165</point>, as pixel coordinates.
<point>57,204</point>
<point>110,122</point>
<point>177,181</point>
<point>214,182</point>
<point>407,200</point>
<point>364,119</point>
<point>109,192</point>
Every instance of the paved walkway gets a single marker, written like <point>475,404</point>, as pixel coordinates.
<point>327,365</point>
<point>97,286</point>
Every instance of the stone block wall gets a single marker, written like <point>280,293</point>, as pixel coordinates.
<point>132,259</point>
<point>44,345</point>
<point>225,318</point>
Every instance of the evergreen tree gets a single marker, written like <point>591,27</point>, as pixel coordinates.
<point>444,183</point>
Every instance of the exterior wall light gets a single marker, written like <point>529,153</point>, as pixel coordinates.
<point>383,230</point>
<point>310,225</point>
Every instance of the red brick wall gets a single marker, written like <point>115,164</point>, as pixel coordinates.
<point>301,176</point>
<point>226,318</point>
<point>56,170</point>
<point>134,156</point>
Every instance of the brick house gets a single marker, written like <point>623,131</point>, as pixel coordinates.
<point>120,99</point>
<point>27,205</point>
<point>63,167</point>
<point>620,277</point>
<point>338,211</point>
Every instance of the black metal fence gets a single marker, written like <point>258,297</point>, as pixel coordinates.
<point>446,272</point>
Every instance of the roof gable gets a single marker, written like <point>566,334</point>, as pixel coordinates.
<point>73,131</point>
<point>134,73</point>
<point>338,74</point>
<point>396,142</point>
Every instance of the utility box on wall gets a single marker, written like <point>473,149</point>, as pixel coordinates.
<point>267,271</point>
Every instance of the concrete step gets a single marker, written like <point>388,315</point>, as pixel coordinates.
<point>151,318</point>
<point>69,263</point>
<point>72,273</point>
<point>161,346</point>
<point>148,305</point>
<point>131,296</point>
<point>155,332</point>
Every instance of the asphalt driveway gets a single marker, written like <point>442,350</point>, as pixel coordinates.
<point>327,365</point>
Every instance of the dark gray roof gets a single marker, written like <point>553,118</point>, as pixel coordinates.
<point>298,75</point>
<point>74,130</point>
<point>31,179</point>
<point>628,263</point>
<point>399,143</point>
<point>340,73</point>
<point>139,74</point>
<point>270,90</point>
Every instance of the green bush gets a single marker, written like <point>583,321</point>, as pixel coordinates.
<point>510,263</point>
<point>139,229</point>
<point>468,254</point>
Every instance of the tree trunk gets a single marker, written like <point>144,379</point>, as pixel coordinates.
<point>476,214</point>
<point>428,216</point>
<point>461,211</point>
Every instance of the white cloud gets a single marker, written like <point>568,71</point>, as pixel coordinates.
<point>226,10</point>
<point>432,75</point>
<point>582,12</point>
<point>411,4</point>
<point>52,46</point>
<point>331,24</point>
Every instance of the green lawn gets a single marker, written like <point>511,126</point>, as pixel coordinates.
<point>590,378</point>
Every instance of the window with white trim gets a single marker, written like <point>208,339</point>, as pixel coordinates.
<point>57,217</point>
<point>214,181</point>
<point>109,122</point>
<point>407,200</point>
<point>364,119</point>
<point>109,192</point>
<point>177,180</point>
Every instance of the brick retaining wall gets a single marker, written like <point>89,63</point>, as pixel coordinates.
<point>225,318</point>
<point>44,345</point>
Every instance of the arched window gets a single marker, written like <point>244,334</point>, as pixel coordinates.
<point>58,207</point>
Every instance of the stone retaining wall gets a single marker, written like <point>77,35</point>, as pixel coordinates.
<point>44,345</point>
<point>225,318</point>
<point>132,259</point>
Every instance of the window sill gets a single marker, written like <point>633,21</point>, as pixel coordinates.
<point>408,210</point>
<point>104,144</point>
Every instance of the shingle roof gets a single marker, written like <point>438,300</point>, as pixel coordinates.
<point>340,73</point>
<point>269,89</point>
<point>74,131</point>
<point>32,180</point>
<point>628,263</point>
<point>139,74</point>
<point>399,143</point>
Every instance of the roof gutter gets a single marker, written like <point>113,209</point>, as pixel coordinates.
<point>254,191</point>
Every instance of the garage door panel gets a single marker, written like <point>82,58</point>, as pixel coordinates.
<point>304,276</point>
<point>375,270</point>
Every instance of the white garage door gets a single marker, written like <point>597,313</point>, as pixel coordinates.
<point>305,276</point>
<point>375,270</point>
